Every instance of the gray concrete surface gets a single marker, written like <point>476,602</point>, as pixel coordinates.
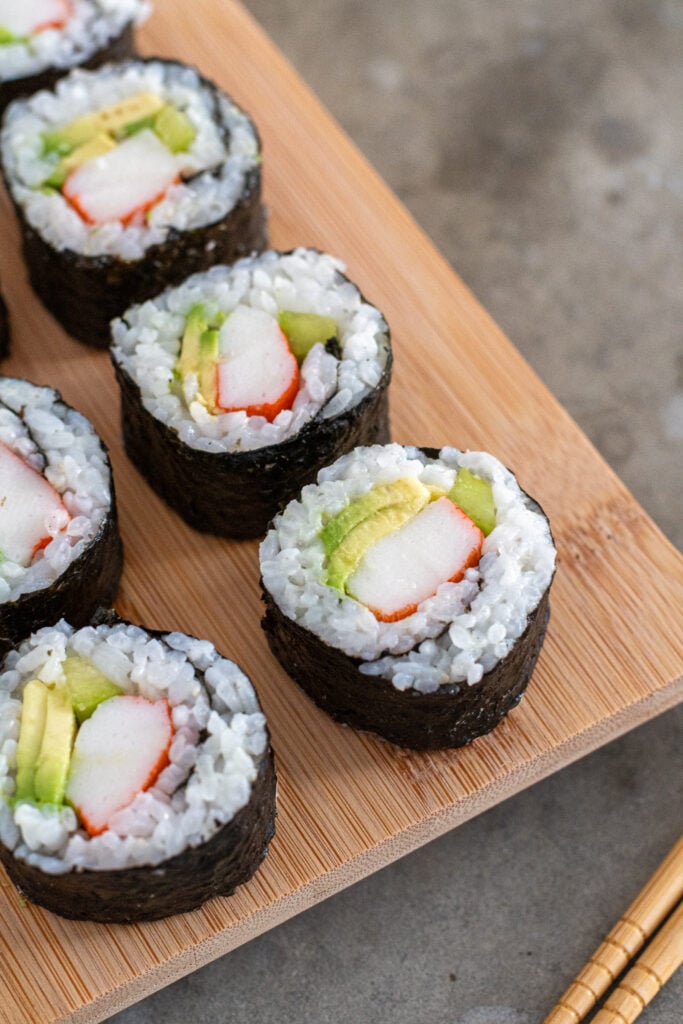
<point>539,143</point>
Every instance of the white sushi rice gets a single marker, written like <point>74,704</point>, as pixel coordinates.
<point>92,25</point>
<point>224,150</point>
<point>147,341</point>
<point>62,445</point>
<point>457,635</point>
<point>220,737</point>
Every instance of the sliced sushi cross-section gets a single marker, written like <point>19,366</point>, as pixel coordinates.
<point>406,591</point>
<point>60,549</point>
<point>28,505</point>
<point>134,797</point>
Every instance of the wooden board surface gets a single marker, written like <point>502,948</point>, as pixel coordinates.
<point>349,804</point>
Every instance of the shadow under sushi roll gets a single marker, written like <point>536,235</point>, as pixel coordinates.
<point>433,668</point>
<point>147,847</point>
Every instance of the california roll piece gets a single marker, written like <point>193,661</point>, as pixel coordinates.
<point>240,384</point>
<point>136,773</point>
<point>60,549</point>
<point>407,592</point>
<point>42,40</point>
<point>125,180</point>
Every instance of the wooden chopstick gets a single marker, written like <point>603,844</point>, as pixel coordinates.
<point>627,937</point>
<point>652,970</point>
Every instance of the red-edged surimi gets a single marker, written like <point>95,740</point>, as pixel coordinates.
<point>28,503</point>
<point>124,182</point>
<point>406,567</point>
<point>257,372</point>
<point>119,752</point>
<point>26,17</point>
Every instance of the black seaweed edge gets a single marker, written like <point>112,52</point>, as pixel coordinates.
<point>236,494</point>
<point>183,883</point>
<point>449,717</point>
<point>85,293</point>
<point>118,48</point>
<point>88,584</point>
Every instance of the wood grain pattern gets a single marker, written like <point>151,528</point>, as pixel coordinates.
<point>349,804</point>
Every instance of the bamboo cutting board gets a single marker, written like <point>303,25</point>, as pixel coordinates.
<point>348,803</point>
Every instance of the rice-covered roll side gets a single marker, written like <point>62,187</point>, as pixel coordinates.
<point>125,180</point>
<point>136,773</point>
<point>60,549</point>
<point>407,592</point>
<point>42,40</point>
<point>240,384</point>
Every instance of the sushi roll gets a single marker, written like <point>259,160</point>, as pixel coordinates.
<point>60,549</point>
<point>41,40</point>
<point>240,384</point>
<point>407,592</point>
<point>125,180</point>
<point>136,773</point>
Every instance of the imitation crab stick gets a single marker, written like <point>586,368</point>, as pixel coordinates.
<point>23,18</point>
<point>28,503</point>
<point>123,182</point>
<point>119,752</point>
<point>257,372</point>
<point>406,567</point>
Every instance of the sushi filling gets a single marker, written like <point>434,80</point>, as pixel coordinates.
<point>425,570</point>
<point>118,749</point>
<point>243,357</point>
<point>114,159</point>
<point>54,484</point>
<point>39,34</point>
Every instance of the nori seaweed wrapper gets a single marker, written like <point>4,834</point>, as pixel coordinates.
<point>5,331</point>
<point>120,47</point>
<point>84,293</point>
<point>182,883</point>
<point>236,494</point>
<point>178,885</point>
<point>89,583</point>
<point>451,716</point>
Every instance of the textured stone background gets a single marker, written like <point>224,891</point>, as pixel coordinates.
<point>539,143</point>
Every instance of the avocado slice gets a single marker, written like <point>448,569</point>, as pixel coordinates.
<point>109,119</point>
<point>7,37</point>
<point>475,497</point>
<point>52,766</point>
<point>206,373</point>
<point>87,686</point>
<point>346,557</point>
<point>95,147</point>
<point>33,714</point>
<point>408,490</point>
<point>174,128</point>
<point>304,330</point>
<point>196,323</point>
<point>133,127</point>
